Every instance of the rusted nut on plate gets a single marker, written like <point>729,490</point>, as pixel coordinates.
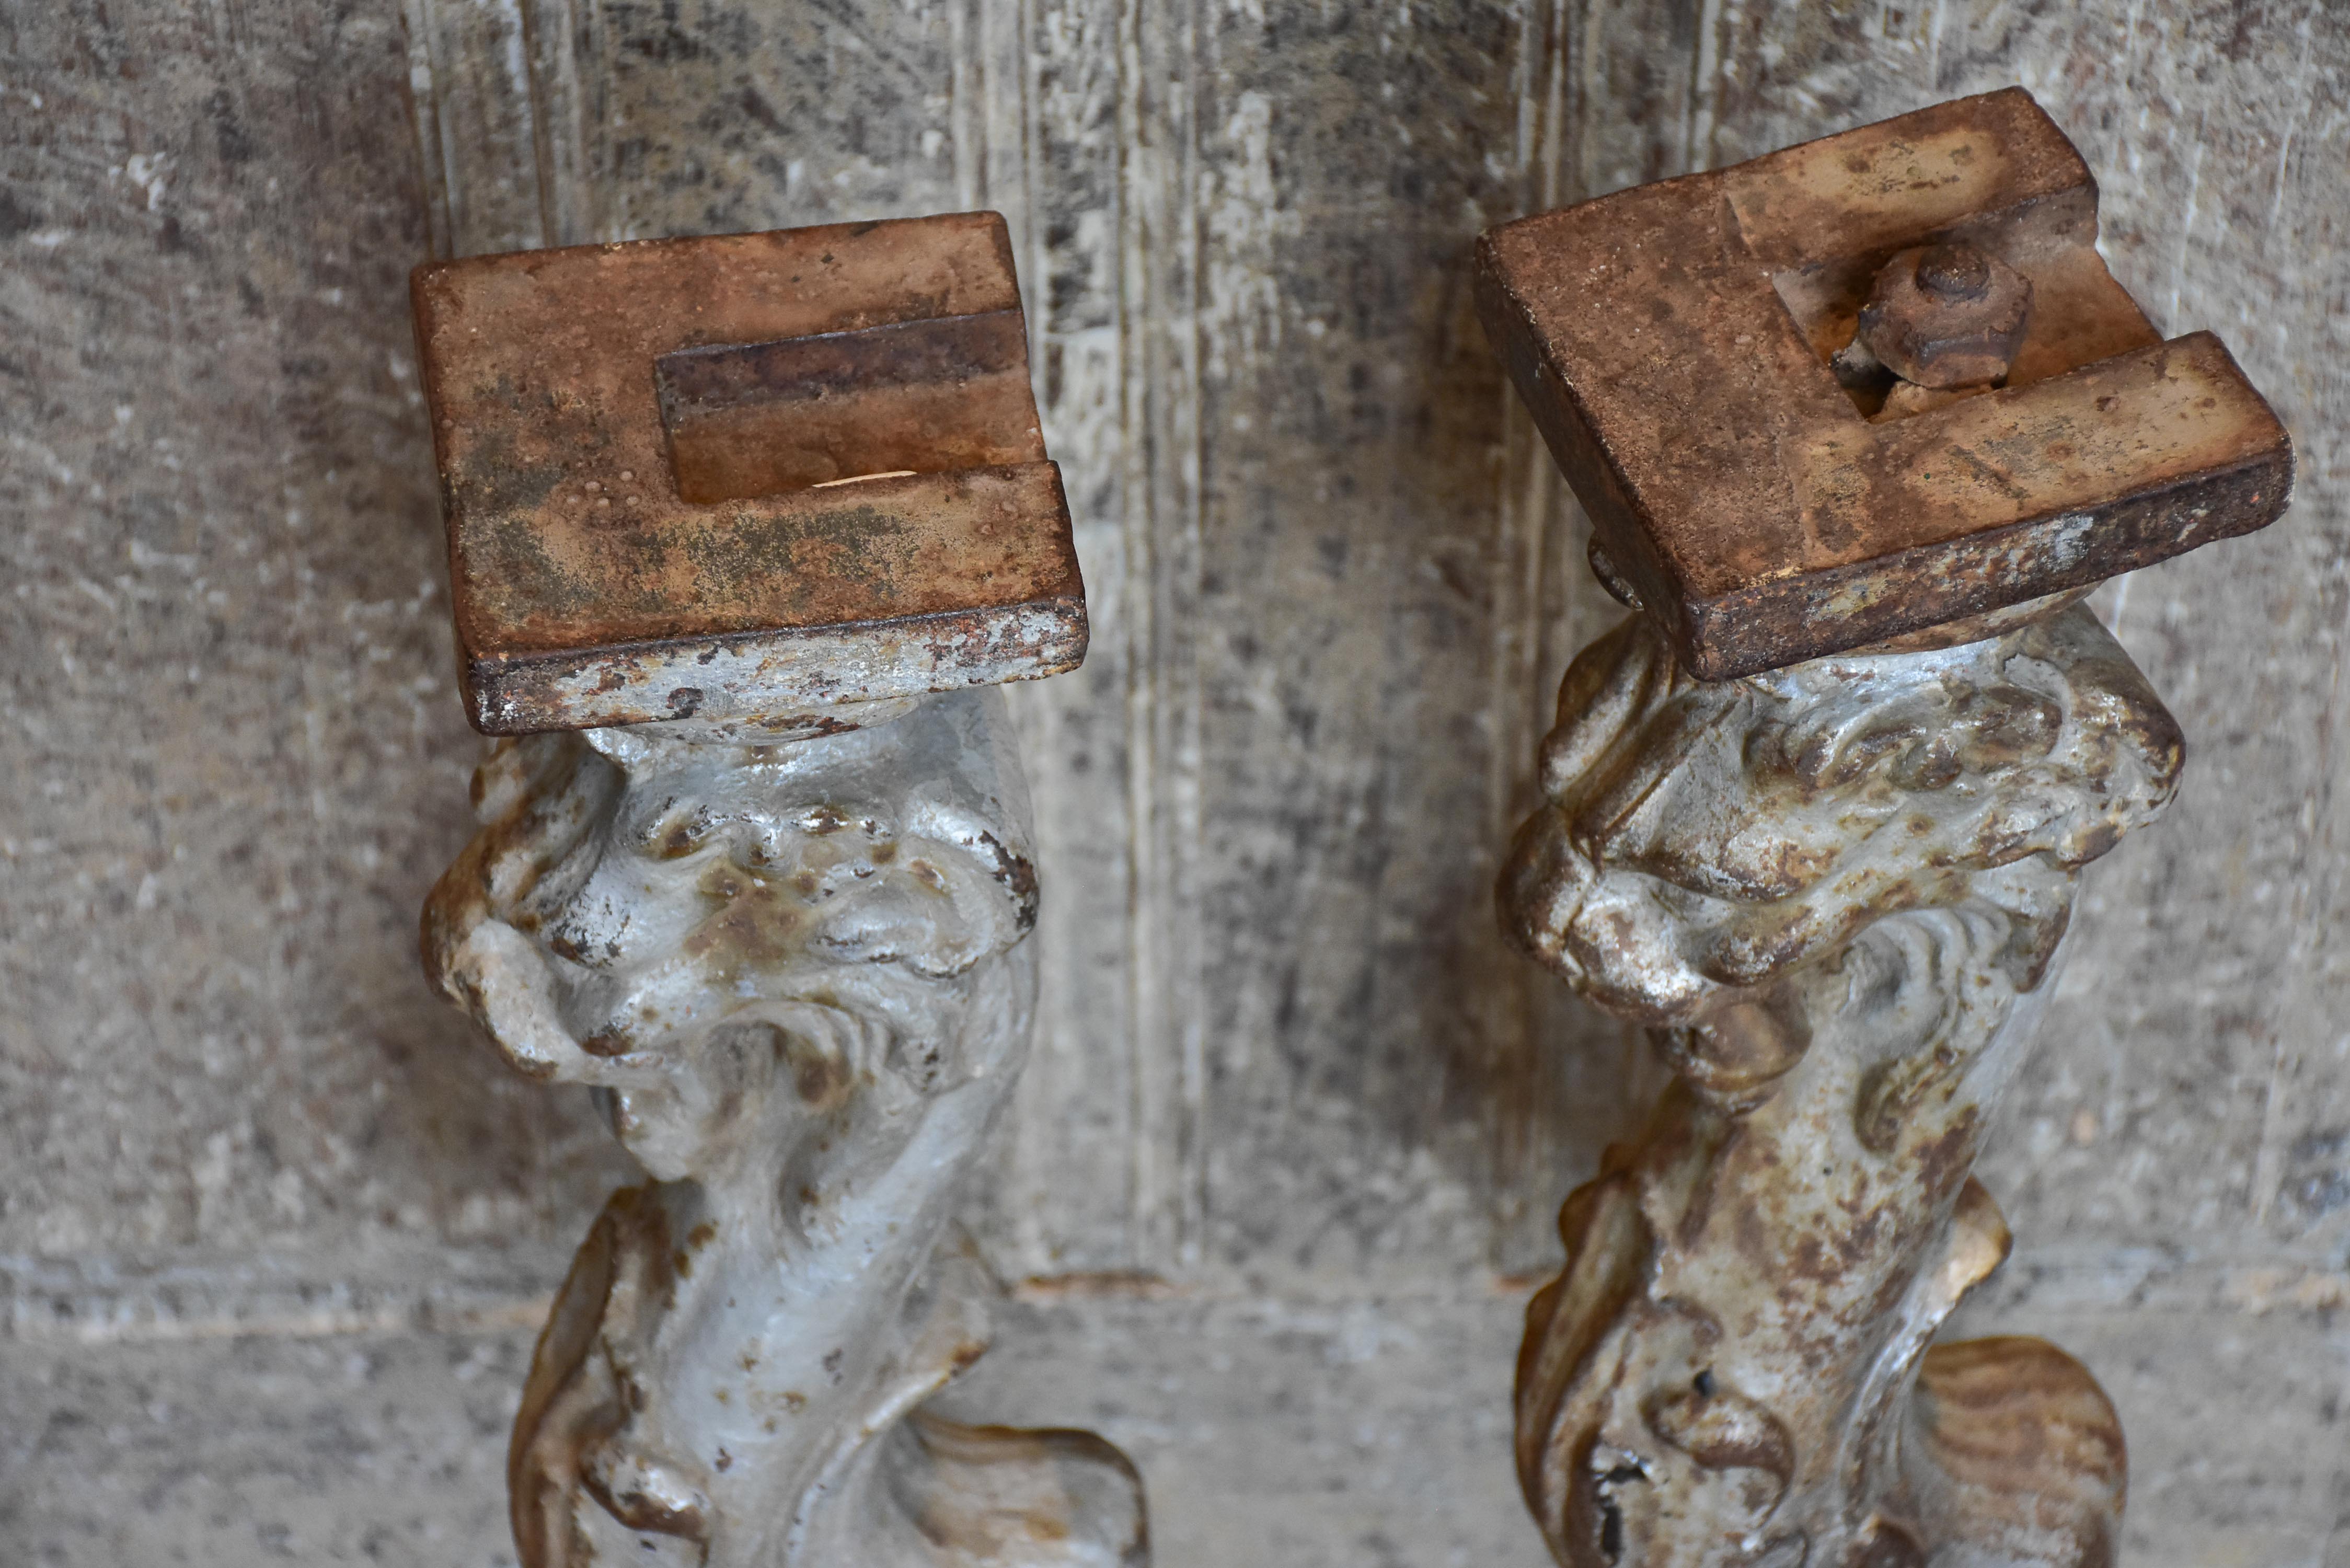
<point>1754,486</point>
<point>1946,316</point>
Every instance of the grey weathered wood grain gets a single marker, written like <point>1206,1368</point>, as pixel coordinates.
<point>232,758</point>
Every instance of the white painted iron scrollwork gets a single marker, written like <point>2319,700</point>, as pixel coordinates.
<point>1836,894</point>
<point>794,972</point>
<point>750,554</point>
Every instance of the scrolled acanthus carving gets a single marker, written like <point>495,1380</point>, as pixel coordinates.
<point>794,974</point>
<point>1836,894</point>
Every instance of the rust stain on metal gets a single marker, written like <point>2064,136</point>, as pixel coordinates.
<point>1677,344</point>
<point>643,451</point>
<point>1831,891</point>
<point>908,398</point>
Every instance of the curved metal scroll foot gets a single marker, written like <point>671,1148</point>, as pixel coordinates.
<point>2013,1455</point>
<point>979,1496</point>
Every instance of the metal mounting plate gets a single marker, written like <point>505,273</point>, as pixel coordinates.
<point>750,475</point>
<point>1673,341</point>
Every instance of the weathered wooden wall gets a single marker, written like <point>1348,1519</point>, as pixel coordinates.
<point>273,1230</point>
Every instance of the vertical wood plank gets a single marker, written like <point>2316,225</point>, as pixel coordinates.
<point>234,761</point>
<point>479,131</point>
<point>1093,1166</point>
<point>1349,423</point>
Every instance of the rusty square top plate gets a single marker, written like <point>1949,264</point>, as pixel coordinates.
<point>750,475</point>
<point>1673,343</point>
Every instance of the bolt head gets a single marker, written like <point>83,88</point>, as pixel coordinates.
<point>1954,271</point>
<point>1947,315</point>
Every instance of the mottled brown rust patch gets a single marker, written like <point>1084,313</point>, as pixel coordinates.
<point>744,474</point>
<point>1674,342</point>
<point>916,397</point>
<point>1946,315</point>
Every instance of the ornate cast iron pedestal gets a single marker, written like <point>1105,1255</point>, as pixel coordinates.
<point>1857,424</point>
<point>741,530</point>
